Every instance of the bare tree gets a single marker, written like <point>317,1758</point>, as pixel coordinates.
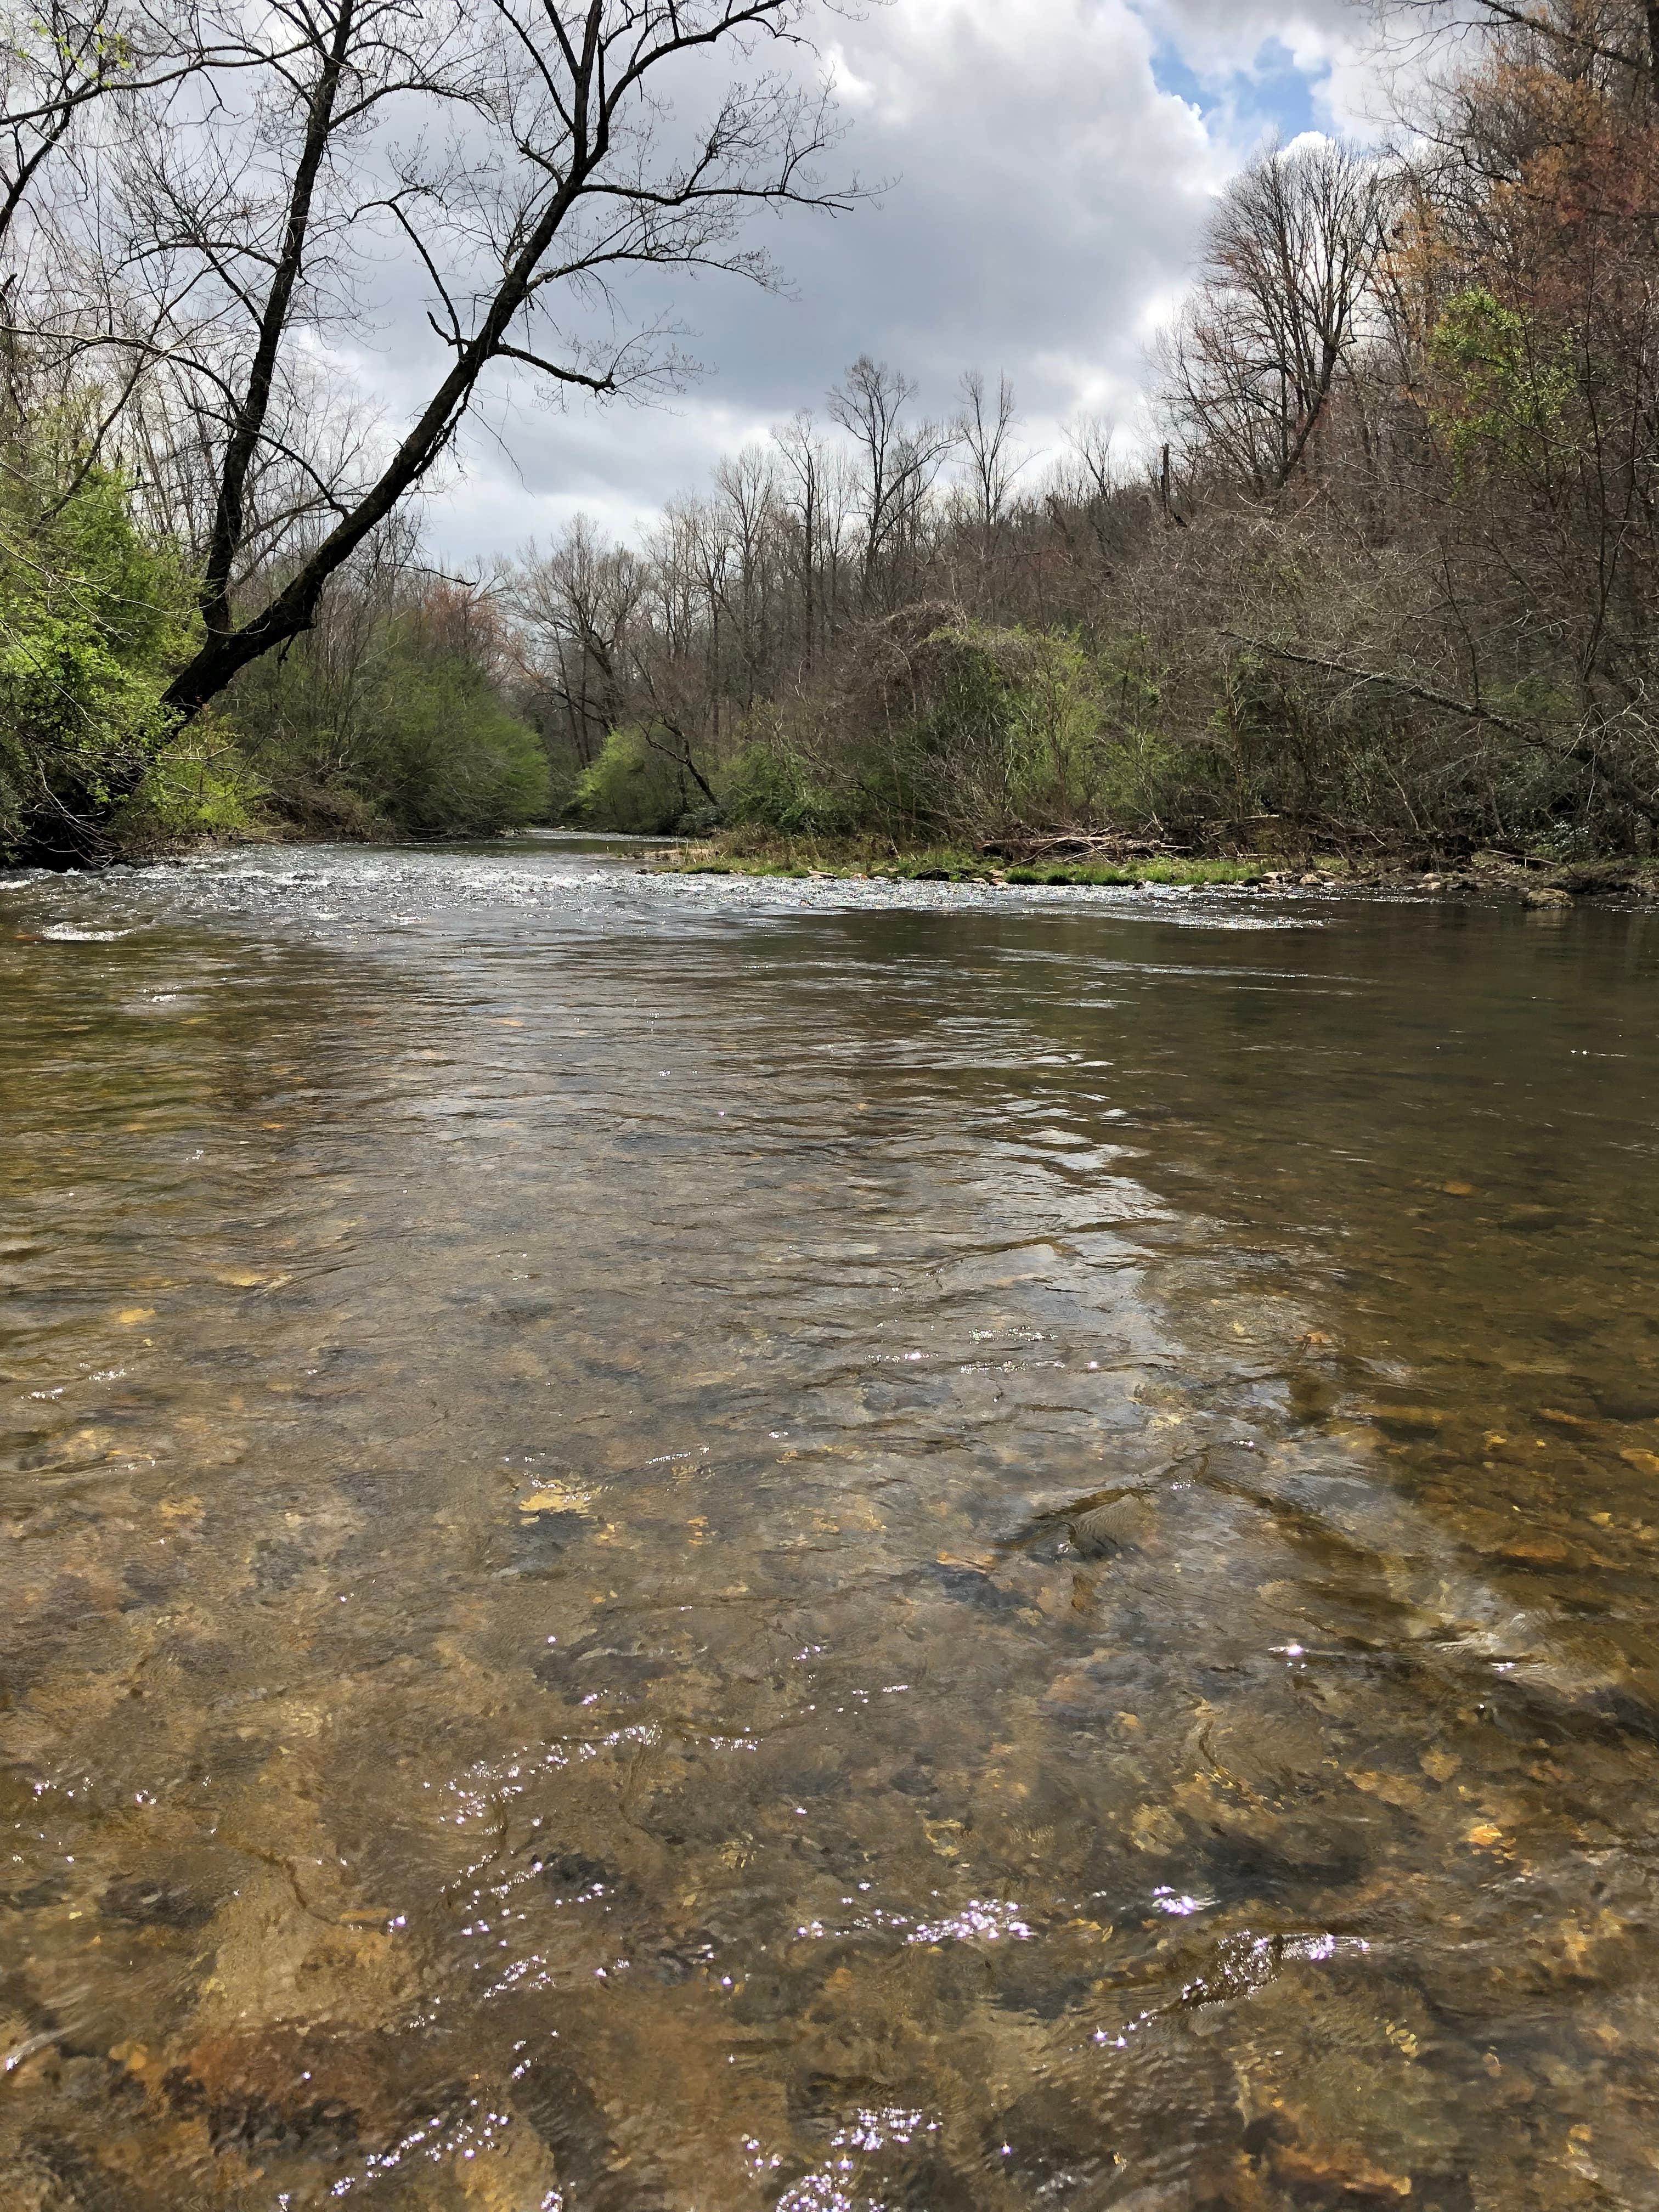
<point>1618,39</point>
<point>814,496</point>
<point>1085,495</point>
<point>800,497</point>
<point>523,153</point>
<point>1249,370</point>
<point>59,61</point>
<point>51,66</point>
<point>898,463</point>
<point>578,607</point>
<point>984,428</point>
<point>747,500</point>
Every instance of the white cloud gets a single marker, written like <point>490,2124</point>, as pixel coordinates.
<point>1053,161</point>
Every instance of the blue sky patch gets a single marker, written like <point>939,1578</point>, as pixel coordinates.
<point>1272,93</point>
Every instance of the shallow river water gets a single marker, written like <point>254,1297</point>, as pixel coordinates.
<point>683,1544</point>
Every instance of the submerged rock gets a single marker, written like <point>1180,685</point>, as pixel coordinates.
<point>1106,1529</point>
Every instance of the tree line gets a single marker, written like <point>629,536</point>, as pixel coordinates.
<point>1385,581</point>
<point>1384,578</point>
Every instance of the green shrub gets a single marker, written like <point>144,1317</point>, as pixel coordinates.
<point>198,785</point>
<point>442,756</point>
<point>770,785</point>
<point>92,616</point>
<point>1012,723</point>
<point>634,787</point>
<point>388,732</point>
<point>1509,388</point>
<point>957,730</point>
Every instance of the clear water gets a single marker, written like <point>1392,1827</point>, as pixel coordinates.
<point>692,1546</point>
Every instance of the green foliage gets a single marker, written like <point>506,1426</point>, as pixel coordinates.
<point>442,756</point>
<point>92,616</point>
<point>1031,703</point>
<point>1145,778</point>
<point>405,733</point>
<point>982,730</point>
<point>374,726</point>
<point>772,786</point>
<point>198,785</point>
<point>634,787</point>
<point>807,856</point>
<point>1172,873</point>
<point>1509,390</point>
<point>937,864</point>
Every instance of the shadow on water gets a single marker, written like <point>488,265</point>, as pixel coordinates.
<point>666,1549</point>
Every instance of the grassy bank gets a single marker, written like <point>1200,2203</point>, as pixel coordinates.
<point>733,855</point>
<point>1535,879</point>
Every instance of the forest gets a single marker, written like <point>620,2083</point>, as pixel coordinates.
<point>1383,583</point>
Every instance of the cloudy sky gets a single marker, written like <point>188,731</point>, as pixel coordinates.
<point>1051,162</point>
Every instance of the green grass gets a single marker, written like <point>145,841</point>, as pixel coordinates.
<point>937,865</point>
<point>808,857</point>
<point>946,864</point>
<point>1127,872</point>
<point>738,865</point>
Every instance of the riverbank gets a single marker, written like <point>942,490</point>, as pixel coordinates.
<point>1530,879</point>
<point>1488,877</point>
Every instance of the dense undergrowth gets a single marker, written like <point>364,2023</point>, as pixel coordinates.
<point>1390,589</point>
<point>934,728</point>
<point>936,742</point>
<point>396,727</point>
<point>91,617</point>
<point>391,718</point>
<point>1390,594</point>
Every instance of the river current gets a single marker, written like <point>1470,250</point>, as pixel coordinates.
<point>693,1544</point>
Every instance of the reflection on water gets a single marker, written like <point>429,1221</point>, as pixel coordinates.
<point>688,1547</point>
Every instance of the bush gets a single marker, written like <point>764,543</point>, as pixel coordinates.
<point>770,785</point>
<point>91,617</point>
<point>935,727</point>
<point>442,756</point>
<point>363,729</point>
<point>198,785</point>
<point>1012,723</point>
<point>635,788</point>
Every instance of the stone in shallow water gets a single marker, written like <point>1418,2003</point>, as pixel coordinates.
<point>577,1670</point>
<point>158,1901</point>
<point>574,1874</point>
<point>1111,1528</point>
<point>292,2088</point>
<point>973,1588</point>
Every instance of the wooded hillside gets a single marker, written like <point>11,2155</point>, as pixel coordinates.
<point>1383,578</point>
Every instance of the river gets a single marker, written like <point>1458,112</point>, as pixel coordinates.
<point>694,1544</point>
